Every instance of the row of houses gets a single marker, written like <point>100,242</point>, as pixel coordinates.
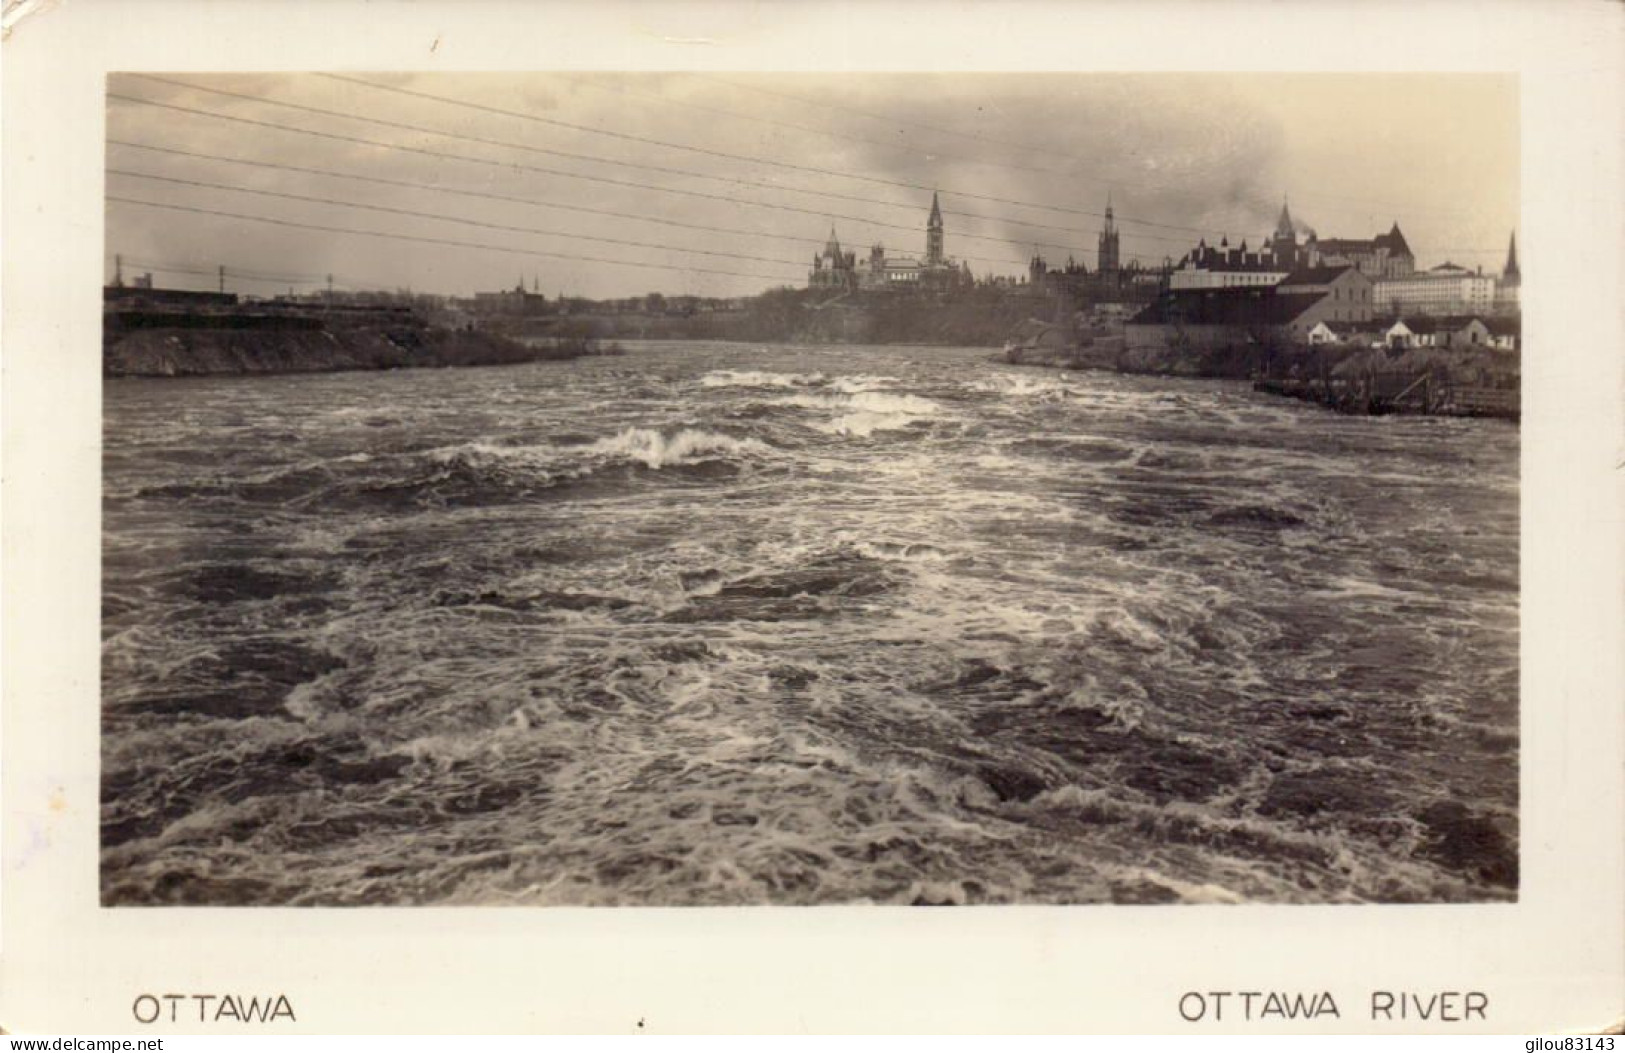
<point>1307,307</point>
<point>1498,332</point>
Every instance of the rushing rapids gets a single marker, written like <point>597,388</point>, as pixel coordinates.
<point>721,624</point>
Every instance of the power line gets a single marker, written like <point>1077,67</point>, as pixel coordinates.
<point>1028,148</point>
<point>211,272</point>
<point>139,261</point>
<point>432,241</point>
<point>1025,147</point>
<point>483,161</point>
<point>1097,177</point>
<point>1104,180</point>
<point>448,219</point>
<point>716,153</point>
<point>591,159</point>
<point>504,144</point>
<point>552,122</point>
<point>520,166</point>
<point>690,105</point>
<point>239,273</point>
<point>229,274</point>
<point>430,187</point>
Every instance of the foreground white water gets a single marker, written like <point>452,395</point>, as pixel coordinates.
<point>716,624</point>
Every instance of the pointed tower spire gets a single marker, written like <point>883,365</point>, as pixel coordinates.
<point>1283,226</point>
<point>1106,251</point>
<point>1509,273</point>
<point>933,234</point>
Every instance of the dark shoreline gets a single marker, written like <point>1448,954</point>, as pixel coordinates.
<point>1348,380</point>
<point>186,351</point>
<point>181,352</point>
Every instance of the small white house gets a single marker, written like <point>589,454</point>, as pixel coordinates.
<point>1322,334</point>
<point>1418,332</point>
<point>1399,335</point>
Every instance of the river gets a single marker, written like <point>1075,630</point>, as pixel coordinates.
<point>727,624</point>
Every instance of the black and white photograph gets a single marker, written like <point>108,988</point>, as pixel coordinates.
<point>546,518</point>
<point>735,489</point>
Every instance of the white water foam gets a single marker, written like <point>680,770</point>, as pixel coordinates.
<point>1022,386</point>
<point>865,423</point>
<point>755,378</point>
<point>687,446</point>
<point>984,660</point>
<point>865,412</point>
<point>869,401</point>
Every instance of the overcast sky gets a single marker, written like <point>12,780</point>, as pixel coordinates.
<point>755,169</point>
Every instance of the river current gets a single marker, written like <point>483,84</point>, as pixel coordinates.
<point>727,624</point>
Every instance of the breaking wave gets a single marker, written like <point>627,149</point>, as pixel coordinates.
<point>686,446</point>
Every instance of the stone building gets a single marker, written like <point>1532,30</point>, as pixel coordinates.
<point>1447,289</point>
<point>1287,313</point>
<point>1348,290</point>
<point>512,303</point>
<point>1385,256</point>
<point>1227,267</point>
<point>837,270</point>
<point>833,269</point>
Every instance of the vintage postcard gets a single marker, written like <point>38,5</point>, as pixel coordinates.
<point>687,506</point>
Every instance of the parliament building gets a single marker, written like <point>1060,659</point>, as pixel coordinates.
<point>840,271</point>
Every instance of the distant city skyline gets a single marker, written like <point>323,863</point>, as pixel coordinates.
<point>726,185</point>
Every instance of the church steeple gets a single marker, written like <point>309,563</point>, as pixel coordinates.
<point>933,234</point>
<point>1283,244</point>
<point>832,247</point>
<point>1106,251</point>
<point>1509,273</point>
<point>1283,226</point>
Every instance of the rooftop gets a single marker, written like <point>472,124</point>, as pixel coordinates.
<point>1315,275</point>
<point>1241,307</point>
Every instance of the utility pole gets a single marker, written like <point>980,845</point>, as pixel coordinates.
<point>118,271</point>
<point>222,277</point>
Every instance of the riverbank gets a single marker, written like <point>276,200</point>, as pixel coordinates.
<point>243,343</point>
<point>1475,382</point>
